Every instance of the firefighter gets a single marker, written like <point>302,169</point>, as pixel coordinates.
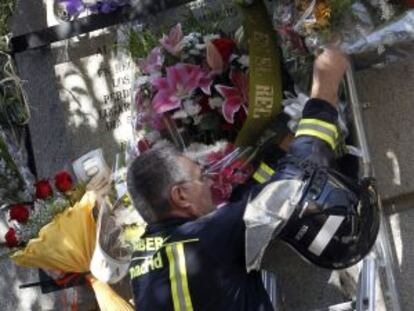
<point>196,257</point>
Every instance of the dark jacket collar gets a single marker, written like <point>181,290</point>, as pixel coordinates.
<point>166,224</point>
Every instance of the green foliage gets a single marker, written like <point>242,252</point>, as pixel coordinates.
<point>212,21</point>
<point>6,11</point>
<point>339,8</point>
<point>140,43</point>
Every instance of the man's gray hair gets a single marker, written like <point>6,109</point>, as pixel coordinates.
<point>150,177</point>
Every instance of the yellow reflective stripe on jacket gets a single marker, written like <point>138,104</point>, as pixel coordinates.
<point>321,123</point>
<point>178,278</point>
<point>263,173</point>
<point>266,168</point>
<point>320,129</point>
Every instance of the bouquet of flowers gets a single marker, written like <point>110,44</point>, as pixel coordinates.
<point>56,230</point>
<point>360,26</point>
<point>209,89</point>
<point>28,217</point>
<point>193,89</point>
<point>199,82</point>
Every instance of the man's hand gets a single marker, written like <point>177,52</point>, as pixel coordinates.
<point>328,70</point>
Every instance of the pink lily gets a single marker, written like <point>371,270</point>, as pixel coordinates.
<point>173,42</point>
<point>180,81</point>
<point>153,63</point>
<point>234,97</point>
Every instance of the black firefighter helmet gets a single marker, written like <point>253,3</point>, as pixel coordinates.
<point>336,221</point>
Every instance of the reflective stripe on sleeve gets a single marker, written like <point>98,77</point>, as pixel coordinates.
<point>263,173</point>
<point>178,278</point>
<point>323,130</point>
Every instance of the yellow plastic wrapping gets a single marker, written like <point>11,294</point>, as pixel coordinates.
<point>67,244</point>
<point>108,300</point>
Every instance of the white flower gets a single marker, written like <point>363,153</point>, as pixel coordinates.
<point>191,108</point>
<point>191,39</point>
<point>194,52</point>
<point>142,80</point>
<point>244,60</point>
<point>210,37</point>
<point>180,114</point>
<point>200,46</point>
<point>215,102</point>
<point>387,11</point>
<point>127,216</point>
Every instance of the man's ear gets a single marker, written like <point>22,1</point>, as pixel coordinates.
<point>179,197</point>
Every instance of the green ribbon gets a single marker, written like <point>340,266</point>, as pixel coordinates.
<point>265,82</point>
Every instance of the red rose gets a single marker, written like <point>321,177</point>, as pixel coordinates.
<point>63,181</point>
<point>225,47</point>
<point>43,189</point>
<point>19,212</point>
<point>11,240</point>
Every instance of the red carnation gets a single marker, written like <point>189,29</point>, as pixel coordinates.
<point>43,189</point>
<point>225,47</point>
<point>63,181</point>
<point>11,240</point>
<point>19,212</point>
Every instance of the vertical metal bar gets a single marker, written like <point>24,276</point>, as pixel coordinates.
<point>386,262</point>
<point>353,99</point>
<point>366,292</point>
<point>270,284</point>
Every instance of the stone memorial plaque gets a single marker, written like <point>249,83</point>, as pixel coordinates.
<point>95,95</point>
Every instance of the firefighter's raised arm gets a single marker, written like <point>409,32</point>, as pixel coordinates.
<point>328,71</point>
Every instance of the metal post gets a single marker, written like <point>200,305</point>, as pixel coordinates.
<point>365,300</point>
<point>352,95</point>
<point>270,283</point>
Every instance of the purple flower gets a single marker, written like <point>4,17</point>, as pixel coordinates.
<point>181,80</point>
<point>234,97</point>
<point>107,6</point>
<point>73,7</point>
<point>153,62</point>
<point>173,42</point>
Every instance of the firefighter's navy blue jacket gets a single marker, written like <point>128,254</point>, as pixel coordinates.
<point>199,264</point>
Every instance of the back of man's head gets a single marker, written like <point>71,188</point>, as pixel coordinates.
<point>150,177</point>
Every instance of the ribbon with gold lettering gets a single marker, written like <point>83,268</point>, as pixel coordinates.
<point>265,82</point>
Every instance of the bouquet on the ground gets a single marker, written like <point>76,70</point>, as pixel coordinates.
<point>27,218</point>
<point>56,230</point>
